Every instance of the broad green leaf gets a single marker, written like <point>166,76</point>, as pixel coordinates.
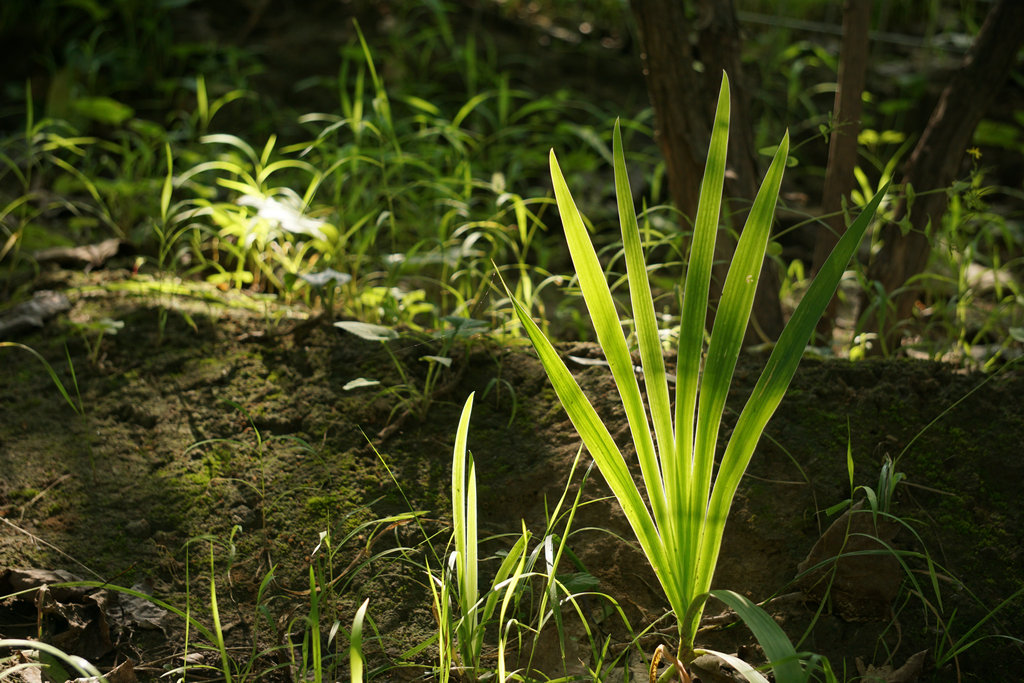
<point>51,655</point>
<point>103,109</point>
<point>778,649</point>
<point>367,331</point>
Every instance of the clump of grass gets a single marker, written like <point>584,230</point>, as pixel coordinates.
<point>460,638</point>
<point>680,523</point>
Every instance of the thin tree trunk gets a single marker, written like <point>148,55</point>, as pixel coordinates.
<point>842,149</point>
<point>934,164</point>
<point>682,77</point>
<point>678,95</point>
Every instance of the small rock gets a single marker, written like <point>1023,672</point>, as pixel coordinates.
<point>243,516</point>
<point>865,579</point>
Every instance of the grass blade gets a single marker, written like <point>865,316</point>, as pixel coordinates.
<point>313,621</point>
<point>596,437</point>
<point>774,381</point>
<point>698,281</point>
<point>53,374</point>
<point>355,651</point>
<point>508,593</point>
<point>642,302</point>
<point>218,632</point>
<point>724,348</point>
<point>464,523</point>
<point>785,357</point>
<point>697,285</point>
<point>504,571</point>
<point>598,298</point>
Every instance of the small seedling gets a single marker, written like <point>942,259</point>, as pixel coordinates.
<point>92,333</point>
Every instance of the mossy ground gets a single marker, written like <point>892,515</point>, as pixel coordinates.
<point>214,422</point>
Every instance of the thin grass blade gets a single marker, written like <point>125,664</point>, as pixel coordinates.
<point>786,355</point>
<point>504,571</point>
<point>666,497</point>
<point>355,651</point>
<point>605,319</point>
<point>685,534</point>
<point>597,439</point>
<point>464,525</point>
<point>313,623</point>
<point>439,598</point>
<point>53,373</point>
<point>643,308</point>
<point>508,593</point>
<point>217,631</point>
<point>697,285</point>
<point>731,320</point>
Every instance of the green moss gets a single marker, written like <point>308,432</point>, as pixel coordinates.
<point>24,494</point>
<point>53,509</point>
<point>322,506</point>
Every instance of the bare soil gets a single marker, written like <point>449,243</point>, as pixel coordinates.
<point>242,422</point>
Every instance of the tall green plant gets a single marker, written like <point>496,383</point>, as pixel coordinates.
<point>681,521</point>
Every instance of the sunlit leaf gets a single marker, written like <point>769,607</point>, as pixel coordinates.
<point>360,382</point>
<point>103,110</point>
<point>777,646</point>
<point>285,215</point>
<point>326,275</point>
<point>367,331</point>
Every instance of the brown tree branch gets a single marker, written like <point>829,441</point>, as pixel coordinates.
<point>842,148</point>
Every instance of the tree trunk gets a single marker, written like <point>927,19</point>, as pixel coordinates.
<point>934,164</point>
<point>682,77</point>
<point>842,148</point>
